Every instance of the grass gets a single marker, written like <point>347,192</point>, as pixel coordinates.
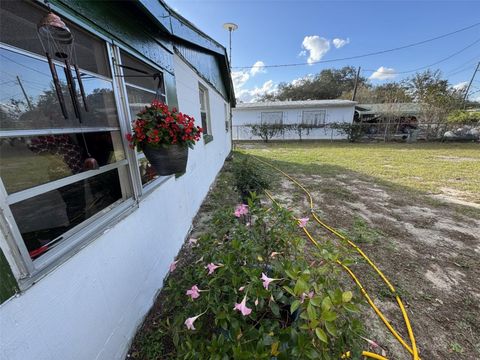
<point>426,167</point>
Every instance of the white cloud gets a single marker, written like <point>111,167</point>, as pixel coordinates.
<point>258,68</point>
<point>460,86</point>
<point>316,46</point>
<point>338,43</point>
<point>301,80</point>
<point>251,95</point>
<point>383,73</point>
<point>240,77</point>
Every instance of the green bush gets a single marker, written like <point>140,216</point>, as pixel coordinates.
<point>266,131</point>
<point>464,117</point>
<point>353,131</point>
<point>248,177</point>
<point>295,306</point>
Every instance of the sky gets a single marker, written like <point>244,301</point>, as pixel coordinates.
<point>292,32</point>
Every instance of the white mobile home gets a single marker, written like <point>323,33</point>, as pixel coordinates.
<point>83,252</point>
<point>315,116</point>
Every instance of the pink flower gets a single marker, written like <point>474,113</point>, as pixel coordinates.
<point>212,267</point>
<point>192,241</point>
<point>242,307</point>
<point>189,322</point>
<point>173,266</point>
<point>194,292</point>
<point>273,254</point>
<point>241,288</point>
<point>303,221</point>
<point>256,302</point>
<point>372,343</point>
<point>304,295</point>
<point>266,281</point>
<point>240,210</point>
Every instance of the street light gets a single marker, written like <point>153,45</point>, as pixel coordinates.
<point>230,27</point>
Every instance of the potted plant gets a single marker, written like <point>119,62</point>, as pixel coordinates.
<point>164,136</point>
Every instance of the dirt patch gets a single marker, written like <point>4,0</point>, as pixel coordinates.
<point>430,253</point>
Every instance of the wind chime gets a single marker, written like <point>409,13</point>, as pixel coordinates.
<point>57,40</point>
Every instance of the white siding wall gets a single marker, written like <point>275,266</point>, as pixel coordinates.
<point>90,306</point>
<point>242,117</point>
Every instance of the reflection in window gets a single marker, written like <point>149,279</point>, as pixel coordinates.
<point>28,99</point>
<point>26,162</point>
<point>45,217</point>
<point>19,28</point>
<point>147,172</point>
<point>204,110</point>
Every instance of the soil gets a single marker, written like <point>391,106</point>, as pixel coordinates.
<point>429,250</point>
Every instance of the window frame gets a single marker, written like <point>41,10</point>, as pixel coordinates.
<point>208,136</point>
<point>141,190</point>
<point>28,271</point>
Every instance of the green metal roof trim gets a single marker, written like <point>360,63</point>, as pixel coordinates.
<point>187,33</point>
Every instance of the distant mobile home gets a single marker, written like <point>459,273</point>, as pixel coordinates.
<point>314,115</point>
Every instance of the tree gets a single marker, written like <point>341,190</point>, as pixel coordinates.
<point>435,95</point>
<point>328,84</point>
<point>392,92</point>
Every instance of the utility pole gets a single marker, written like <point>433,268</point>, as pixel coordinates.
<point>356,84</point>
<point>230,27</point>
<point>24,93</point>
<point>468,87</point>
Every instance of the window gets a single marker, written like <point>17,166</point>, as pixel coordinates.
<point>313,118</point>
<point>143,84</point>
<point>49,186</point>
<point>205,113</point>
<point>227,117</point>
<point>272,118</point>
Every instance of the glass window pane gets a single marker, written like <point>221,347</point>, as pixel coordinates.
<point>147,172</point>
<point>18,27</point>
<point>28,99</point>
<point>138,73</point>
<point>137,100</point>
<point>45,217</point>
<point>30,161</point>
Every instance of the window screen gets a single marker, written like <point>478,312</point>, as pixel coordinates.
<point>313,118</point>
<point>272,118</point>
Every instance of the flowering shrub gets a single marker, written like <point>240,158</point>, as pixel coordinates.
<point>157,126</point>
<point>255,292</point>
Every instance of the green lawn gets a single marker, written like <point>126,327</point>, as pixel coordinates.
<point>428,167</point>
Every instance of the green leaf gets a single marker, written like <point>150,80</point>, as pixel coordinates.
<point>300,287</point>
<point>289,290</point>
<point>290,274</point>
<point>294,306</point>
<point>321,335</point>
<point>312,314</point>
<point>350,307</point>
<point>328,315</point>
<point>315,301</point>
<point>347,296</point>
<point>326,303</point>
<point>275,309</point>
<point>331,328</point>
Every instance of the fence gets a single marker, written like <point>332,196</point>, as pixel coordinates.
<point>384,131</point>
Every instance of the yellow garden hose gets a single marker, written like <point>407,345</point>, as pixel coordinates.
<point>412,350</point>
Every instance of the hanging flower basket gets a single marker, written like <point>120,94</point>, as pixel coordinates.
<point>168,160</point>
<point>164,136</point>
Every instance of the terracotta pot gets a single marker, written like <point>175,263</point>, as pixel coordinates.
<point>167,160</point>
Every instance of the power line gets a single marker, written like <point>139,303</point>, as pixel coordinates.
<point>433,64</point>
<point>364,55</point>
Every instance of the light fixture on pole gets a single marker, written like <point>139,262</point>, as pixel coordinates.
<point>230,27</point>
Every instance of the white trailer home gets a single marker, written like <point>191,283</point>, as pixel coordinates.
<point>315,116</point>
<point>84,252</point>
